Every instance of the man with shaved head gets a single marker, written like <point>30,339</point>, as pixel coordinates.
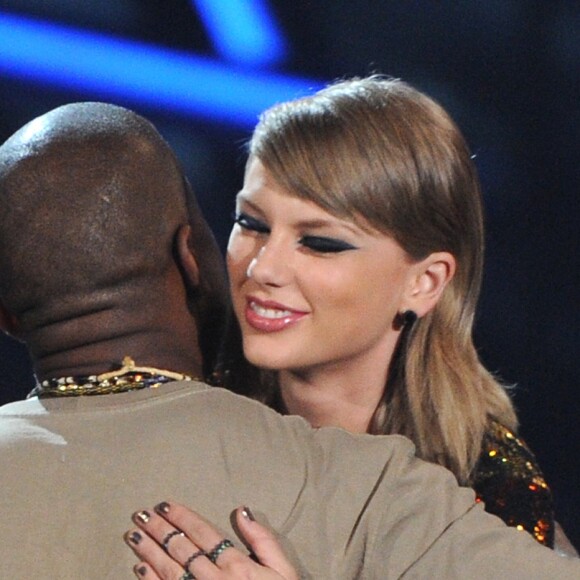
<point>94,208</point>
<point>112,278</point>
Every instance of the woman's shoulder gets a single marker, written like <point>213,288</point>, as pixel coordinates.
<point>503,450</point>
<point>508,479</point>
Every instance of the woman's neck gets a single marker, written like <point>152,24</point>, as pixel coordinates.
<point>335,397</point>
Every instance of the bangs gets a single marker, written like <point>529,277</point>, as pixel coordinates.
<point>382,155</point>
<point>311,150</point>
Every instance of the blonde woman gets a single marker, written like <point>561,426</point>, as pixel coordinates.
<point>362,204</point>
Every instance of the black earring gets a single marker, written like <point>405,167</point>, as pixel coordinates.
<point>409,318</point>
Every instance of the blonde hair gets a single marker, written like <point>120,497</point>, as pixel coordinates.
<point>382,153</point>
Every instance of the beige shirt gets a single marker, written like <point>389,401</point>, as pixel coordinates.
<point>73,470</point>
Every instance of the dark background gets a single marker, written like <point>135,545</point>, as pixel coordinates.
<point>508,72</point>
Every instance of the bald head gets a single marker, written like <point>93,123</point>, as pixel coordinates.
<point>91,200</point>
<point>84,190</point>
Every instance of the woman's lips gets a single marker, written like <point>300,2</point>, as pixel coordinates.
<point>268,316</point>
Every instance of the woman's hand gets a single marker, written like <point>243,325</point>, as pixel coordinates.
<point>175,543</point>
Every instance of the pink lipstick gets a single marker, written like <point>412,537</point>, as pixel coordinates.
<point>268,316</point>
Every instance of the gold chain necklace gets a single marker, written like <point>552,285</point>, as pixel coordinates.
<point>128,378</point>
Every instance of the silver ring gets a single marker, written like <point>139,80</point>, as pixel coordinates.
<point>187,576</point>
<point>165,542</point>
<point>214,554</point>
<point>193,557</point>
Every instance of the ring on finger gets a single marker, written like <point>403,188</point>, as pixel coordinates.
<point>193,557</point>
<point>167,538</point>
<point>214,554</point>
<point>187,576</point>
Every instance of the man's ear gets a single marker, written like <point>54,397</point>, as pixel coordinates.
<point>8,322</point>
<point>187,258</point>
<point>429,280</point>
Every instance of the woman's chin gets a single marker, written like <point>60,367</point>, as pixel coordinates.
<point>268,361</point>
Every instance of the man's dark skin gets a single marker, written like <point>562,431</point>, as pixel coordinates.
<point>109,257</point>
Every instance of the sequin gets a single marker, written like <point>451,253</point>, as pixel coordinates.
<point>508,480</point>
<point>128,378</point>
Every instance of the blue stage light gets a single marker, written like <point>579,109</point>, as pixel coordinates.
<point>106,67</point>
<point>243,31</point>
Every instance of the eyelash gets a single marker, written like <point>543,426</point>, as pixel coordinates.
<point>325,245</point>
<point>251,224</point>
<point>322,245</point>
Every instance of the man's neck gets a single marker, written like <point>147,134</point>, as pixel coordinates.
<point>156,351</point>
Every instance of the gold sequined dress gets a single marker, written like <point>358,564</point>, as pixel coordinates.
<point>508,480</point>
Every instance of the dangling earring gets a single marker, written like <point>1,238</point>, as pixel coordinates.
<point>404,322</point>
<point>409,318</point>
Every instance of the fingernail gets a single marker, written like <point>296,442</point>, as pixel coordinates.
<point>135,537</point>
<point>143,516</point>
<point>140,570</point>
<point>162,508</point>
<point>247,513</point>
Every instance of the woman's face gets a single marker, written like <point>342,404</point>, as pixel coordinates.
<point>310,289</point>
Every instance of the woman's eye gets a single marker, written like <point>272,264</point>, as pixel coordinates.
<point>249,223</point>
<point>325,245</point>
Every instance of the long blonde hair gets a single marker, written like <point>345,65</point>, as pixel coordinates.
<point>379,151</point>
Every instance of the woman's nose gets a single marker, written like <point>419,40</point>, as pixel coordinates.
<point>271,265</point>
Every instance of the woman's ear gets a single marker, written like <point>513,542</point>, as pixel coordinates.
<point>187,258</point>
<point>430,278</point>
<point>8,322</point>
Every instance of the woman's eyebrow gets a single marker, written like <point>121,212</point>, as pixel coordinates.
<point>242,197</point>
<point>314,223</point>
<point>319,223</point>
